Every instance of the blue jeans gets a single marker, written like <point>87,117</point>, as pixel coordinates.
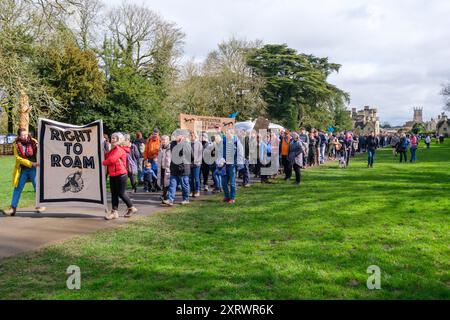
<point>413,154</point>
<point>173,182</point>
<point>229,182</point>
<point>140,170</point>
<point>371,154</point>
<point>155,169</point>
<point>217,181</point>
<point>194,179</point>
<point>245,173</point>
<point>25,174</point>
<point>322,153</point>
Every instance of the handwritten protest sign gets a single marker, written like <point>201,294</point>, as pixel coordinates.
<point>204,123</point>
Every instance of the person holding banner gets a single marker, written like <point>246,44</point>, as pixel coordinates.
<point>25,152</point>
<point>116,161</point>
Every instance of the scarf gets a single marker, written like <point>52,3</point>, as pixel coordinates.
<point>26,148</point>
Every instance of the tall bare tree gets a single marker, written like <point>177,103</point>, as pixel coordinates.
<point>446,94</point>
<point>223,84</point>
<point>87,19</point>
<point>19,27</point>
<point>144,37</point>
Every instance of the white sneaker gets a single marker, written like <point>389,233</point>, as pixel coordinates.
<point>205,188</point>
<point>40,209</point>
<point>130,212</point>
<point>114,214</point>
<point>10,212</point>
<point>184,202</point>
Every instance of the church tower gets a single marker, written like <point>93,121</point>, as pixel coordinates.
<point>418,115</point>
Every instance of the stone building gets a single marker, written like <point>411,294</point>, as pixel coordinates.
<point>418,118</point>
<point>430,126</point>
<point>443,125</point>
<point>365,121</point>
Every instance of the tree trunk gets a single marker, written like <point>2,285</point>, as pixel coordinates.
<point>9,117</point>
<point>10,121</point>
<point>24,111</point>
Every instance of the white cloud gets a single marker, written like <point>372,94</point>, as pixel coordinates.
<point>395,54</point>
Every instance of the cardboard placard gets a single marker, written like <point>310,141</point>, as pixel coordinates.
<point>205,123</point>
<point>261,124</point>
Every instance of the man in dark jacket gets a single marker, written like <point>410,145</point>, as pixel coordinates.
<point>295,156</point>
<point>180,169</point>
<point>371,146</point>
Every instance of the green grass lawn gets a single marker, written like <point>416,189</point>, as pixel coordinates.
<point>278,242</point>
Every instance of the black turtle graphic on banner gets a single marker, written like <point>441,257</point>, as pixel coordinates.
<point>74,183</point>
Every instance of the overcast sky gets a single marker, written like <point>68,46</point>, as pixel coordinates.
<point>395,54</point>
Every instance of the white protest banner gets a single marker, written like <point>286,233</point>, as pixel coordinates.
<point>70,168</point>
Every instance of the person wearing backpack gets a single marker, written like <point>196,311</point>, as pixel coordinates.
<point>116,162</point>
<point>413,148</point>
<point>180,169</point>
<point>403,147</point>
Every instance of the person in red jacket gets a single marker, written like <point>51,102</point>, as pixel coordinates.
<point>116,161</point>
